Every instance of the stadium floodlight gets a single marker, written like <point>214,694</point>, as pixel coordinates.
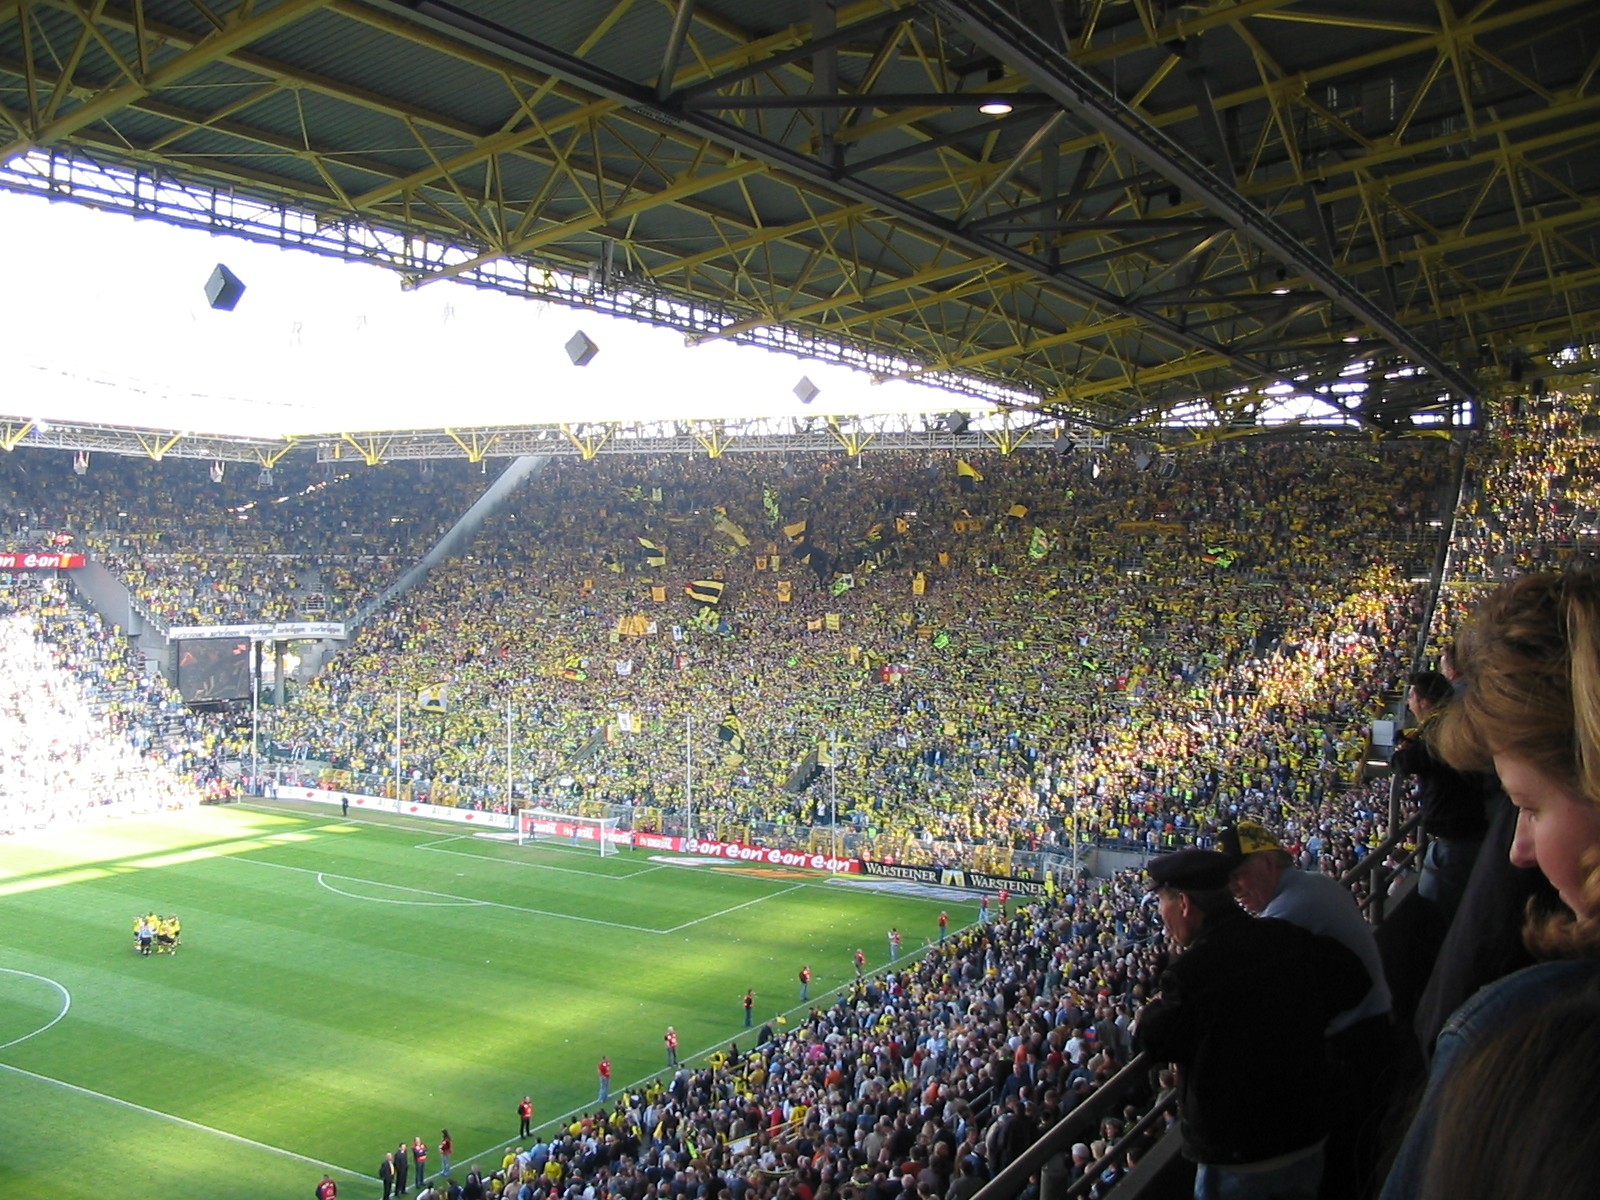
<point>585,833</point>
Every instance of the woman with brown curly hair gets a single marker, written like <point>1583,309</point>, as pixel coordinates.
<point>1530,712</point>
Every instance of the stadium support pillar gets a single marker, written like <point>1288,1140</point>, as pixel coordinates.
<point>833,790</point>
<point>688,777</point>
<point>255,717</point>
<point>278,689</point>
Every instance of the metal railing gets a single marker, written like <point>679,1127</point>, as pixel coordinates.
<point>1384,865</point>
<point>1131,1084</point>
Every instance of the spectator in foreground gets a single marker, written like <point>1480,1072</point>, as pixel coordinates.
<point>1454,803</point>
<point>1496,1139</point>
<point>1243,1012</point>
<point>1361,1042</point>
<point>1531,711</point>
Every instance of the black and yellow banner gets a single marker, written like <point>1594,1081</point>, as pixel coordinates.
<point>706,591</point>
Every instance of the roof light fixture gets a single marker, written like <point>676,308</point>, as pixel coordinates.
<point>996,105</point>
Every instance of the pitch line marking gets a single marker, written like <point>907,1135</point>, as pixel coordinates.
<point>539,912</point>
<point>331,1168</point>
<point>724,912</point>
<point>66,1005</point>
<point>438,848</point>
<point>536,912</point>
<point>401,824</point>
<point>458,903</point>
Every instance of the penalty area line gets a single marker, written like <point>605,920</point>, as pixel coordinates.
<point>723,912</point>
<point>239,1139</point>
<point>460,900</point>
<point>440,847</point>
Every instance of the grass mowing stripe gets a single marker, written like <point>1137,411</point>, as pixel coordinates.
<point>298,1018</point>
<point>332,1168</point>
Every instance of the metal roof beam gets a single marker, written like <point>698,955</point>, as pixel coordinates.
<point>450,19</point>
<point>1199,85</point>
<point>681,21</point>
<point>992,27</point>
<point>807,435</point>
<point>233,36</point>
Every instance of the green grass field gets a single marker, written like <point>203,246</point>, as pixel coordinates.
<point>346,984</point>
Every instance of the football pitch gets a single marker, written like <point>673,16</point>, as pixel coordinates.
<point>343,985</point>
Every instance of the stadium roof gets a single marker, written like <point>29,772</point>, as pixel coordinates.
<point>1122,213</point>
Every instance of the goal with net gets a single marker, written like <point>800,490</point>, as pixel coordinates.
<point>599,834</point>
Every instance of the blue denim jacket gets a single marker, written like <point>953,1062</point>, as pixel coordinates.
<point>1518,995</point>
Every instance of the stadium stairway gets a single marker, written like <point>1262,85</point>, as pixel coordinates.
<point>98,588</point>
<point>457,536</point>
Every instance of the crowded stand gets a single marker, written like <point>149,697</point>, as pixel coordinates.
<point>1531,496</point>
<point>905,1085</point>
<point>1227,637</point>
<point>1530,501</point>
<point>85,725</point>
<point>1304,692</point>
<point>1033,653</point>
<point>301,540</point>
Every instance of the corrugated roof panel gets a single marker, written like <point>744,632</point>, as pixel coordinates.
<point>359,55</point>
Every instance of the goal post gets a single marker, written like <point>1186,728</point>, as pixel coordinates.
<point>599,834</point>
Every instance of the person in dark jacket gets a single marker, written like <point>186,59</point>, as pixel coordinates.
<point>1242,1011</point>
<point>1455,804</point>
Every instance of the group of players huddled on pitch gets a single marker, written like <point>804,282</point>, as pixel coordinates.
<point>153,934</point>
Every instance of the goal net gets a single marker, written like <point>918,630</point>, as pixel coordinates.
<point>586,833</point>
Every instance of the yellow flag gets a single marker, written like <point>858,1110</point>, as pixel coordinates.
<point>919,584</point>
<point>785,591</point>
<point>831,621</point>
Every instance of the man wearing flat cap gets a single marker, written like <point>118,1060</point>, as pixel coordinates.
<point>1242,1012</point>
<point>1267,881</point>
